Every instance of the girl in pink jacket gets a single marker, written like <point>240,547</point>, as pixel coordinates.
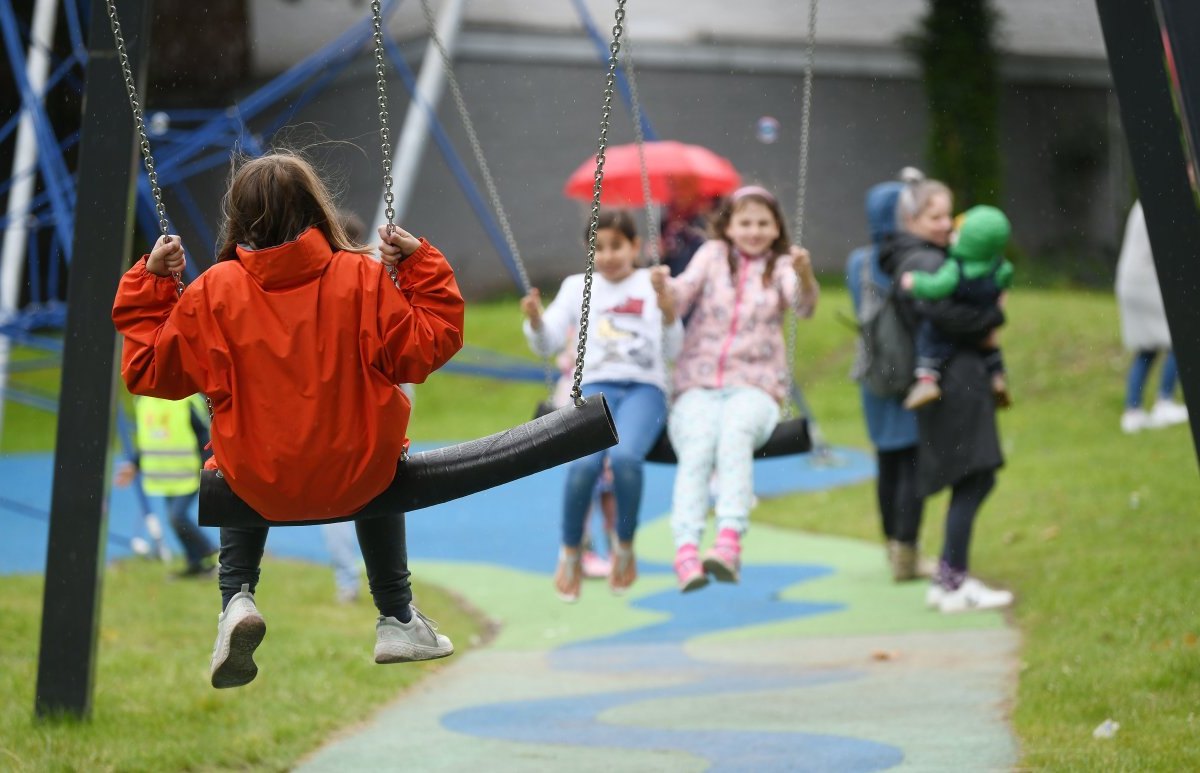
<point>732,374</point>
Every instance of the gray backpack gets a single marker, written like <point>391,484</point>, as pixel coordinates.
<point>885,357</point>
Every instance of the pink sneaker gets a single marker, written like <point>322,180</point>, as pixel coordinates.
<point>687,569</point>
<point>596,566</point>
<point>724,561</point>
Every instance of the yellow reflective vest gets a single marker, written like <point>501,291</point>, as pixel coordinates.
<point>169,450</point>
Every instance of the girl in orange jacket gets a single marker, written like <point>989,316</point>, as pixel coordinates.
<point>298,339</point>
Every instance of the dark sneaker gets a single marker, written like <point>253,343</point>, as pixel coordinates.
<point>240,629</point>
<point>1000,391</point>
<point>418,639</point>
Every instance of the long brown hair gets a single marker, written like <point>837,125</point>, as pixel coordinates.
<point>720,224</point>
<point>272,199</point>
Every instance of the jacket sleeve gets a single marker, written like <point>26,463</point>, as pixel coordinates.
<point>421,322</point>
<point>940,284</point>
<point>162,353</point>
<point>1004,275</point>
<point>687,286</point>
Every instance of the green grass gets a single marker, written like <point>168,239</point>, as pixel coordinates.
<point>1094,530</point>
<point>153,709</point>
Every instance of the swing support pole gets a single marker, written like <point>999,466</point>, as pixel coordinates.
<point>1162,131</point>
<point>411,146</point>
<point>79,499</point>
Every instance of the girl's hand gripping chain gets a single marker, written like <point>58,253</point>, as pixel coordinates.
<point>531,307</point>
<point>397,245</point>
<point>167,257</point>
<point>663,294</point>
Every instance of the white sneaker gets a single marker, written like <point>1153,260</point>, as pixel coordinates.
<point>1134,420</point>
<point>973,595</point>
<point>934,595</point>
<point>1167,413</point>
<point>240,629</point>
<point>418,639</point>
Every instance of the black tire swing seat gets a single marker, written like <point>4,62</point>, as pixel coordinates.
<point>789,437</point>
<point>437,476</point>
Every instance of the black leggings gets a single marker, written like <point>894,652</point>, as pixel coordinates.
<point>965,500</point>
<point>900,506</point>
<point>384,551</point>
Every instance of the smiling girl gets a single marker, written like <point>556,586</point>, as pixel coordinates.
<point>732,374</point>
<point>633,328</point>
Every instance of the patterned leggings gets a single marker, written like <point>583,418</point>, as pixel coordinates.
<point>717,429</point>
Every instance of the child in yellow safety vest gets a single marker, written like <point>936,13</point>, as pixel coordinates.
<point>171,435</point>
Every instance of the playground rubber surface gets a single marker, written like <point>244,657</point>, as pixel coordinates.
<point>815,661</point>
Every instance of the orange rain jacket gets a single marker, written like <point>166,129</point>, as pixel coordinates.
<point>299,348</point>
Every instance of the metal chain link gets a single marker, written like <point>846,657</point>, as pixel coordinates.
<point>384,128</point>
<point>476,147</point>
<point>140,126</point>
<point>548,370</point>
<point>802,187</point>
<point>635,104</point>
<point>605,113</point>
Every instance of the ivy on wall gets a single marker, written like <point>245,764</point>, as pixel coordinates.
<point>955,46</point>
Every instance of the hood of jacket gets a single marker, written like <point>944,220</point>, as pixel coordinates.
<point>881,209</point>
<point>289,264</point>
<point>982,236</point>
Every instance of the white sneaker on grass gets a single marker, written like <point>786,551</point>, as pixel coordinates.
<point>418,639</point>
<point>973,595</point>
<point>240,629</point>
<point>934,594</point>
<point>1134,420</point>
<point>1166,413</point>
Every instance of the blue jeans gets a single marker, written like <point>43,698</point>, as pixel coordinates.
<point>342,545</point>
<point>1139,372</point>
<point>640,413</point>
<point>195,545</point>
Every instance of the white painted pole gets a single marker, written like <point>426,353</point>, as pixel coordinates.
<point>24,172</point>
<point>430,82</point>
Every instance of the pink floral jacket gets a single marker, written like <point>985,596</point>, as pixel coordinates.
<point>735,334</point>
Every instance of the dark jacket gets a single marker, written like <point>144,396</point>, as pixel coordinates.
<point>958,434</point>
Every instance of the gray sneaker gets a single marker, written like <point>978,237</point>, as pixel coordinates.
<point>240,629</point>
<point>418,639</point>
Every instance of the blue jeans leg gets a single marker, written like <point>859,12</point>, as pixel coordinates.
<point>341,542</point>
<point>1169,377</point>
<point>195,545</point>
<point>639,411</point>
<point>1135,385</point>
<point>640,418</point>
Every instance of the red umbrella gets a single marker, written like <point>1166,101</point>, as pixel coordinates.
<point>676,171</point>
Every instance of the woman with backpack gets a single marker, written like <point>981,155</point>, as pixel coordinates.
<point>959,444</point>
<point>892,428</point>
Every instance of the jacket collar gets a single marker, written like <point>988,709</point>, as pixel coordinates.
<point>290,263</point>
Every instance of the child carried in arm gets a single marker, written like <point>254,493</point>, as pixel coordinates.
<point>975,273</point>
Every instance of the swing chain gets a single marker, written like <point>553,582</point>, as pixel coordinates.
<point>605,113</point>
<point>476,148</point>
<point>385,142</point>
<point>801,192</point>
<point>140,125</point>
<point>652,235</point>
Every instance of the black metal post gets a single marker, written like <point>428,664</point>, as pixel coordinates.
<point>1156,135</point>
<point>79,503</point>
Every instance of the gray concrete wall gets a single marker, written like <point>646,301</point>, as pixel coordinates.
<point>537,123</point>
